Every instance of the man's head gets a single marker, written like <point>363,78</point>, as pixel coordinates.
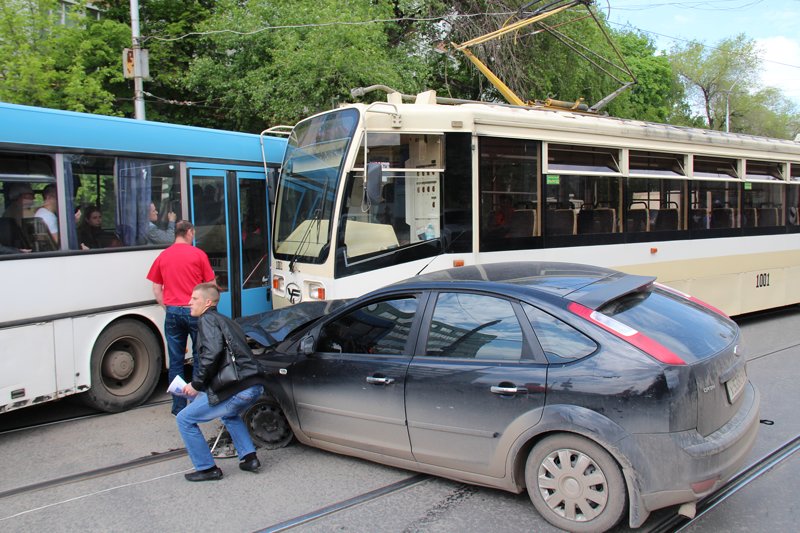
<point>184,231</point>
<point>204,296</point>
<point>19,192</point>
<point>152,214</point>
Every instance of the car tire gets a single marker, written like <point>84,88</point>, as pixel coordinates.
<point>575,484</point>
<point>125,367</point>
<point>267,425</point>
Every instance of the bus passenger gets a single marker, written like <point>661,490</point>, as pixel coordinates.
<point>48,211</point>
<point>90,230</point>
<point>175,273</point>
<point>219,391</point>
<point>19,204</point>
<point>156,235</point>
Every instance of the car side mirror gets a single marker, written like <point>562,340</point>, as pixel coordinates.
<point>307,345</point>
<point>374,182</point>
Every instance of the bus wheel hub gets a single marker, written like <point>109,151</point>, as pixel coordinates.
<point>118,364</point>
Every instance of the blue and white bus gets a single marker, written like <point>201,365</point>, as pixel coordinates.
<point>87,203</point>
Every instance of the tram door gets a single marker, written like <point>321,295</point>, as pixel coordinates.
<point>230,214</point>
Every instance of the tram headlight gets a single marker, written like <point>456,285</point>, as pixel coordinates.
<point>316,291</point>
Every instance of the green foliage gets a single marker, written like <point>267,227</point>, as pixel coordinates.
<point>67,66</point>
<point>289,59</point>
<point>248,64</point>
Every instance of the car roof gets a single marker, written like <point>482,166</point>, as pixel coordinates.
<point>588,285</point>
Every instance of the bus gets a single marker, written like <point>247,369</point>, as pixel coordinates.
<point>88,202</point>
<point>373,193</point>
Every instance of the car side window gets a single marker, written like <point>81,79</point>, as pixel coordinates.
<point>474,326</point>
<point>560,341</point>
<point>376,328</point>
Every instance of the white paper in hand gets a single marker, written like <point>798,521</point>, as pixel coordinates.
<point>177,385</point>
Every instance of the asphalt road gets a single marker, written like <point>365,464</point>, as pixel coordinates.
<point>303,489</point>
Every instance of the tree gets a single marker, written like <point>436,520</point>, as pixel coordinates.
<point>287,59</point>
<point>711,75</point>
<point>46,62</point>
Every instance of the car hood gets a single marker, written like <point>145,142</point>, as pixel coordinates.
<point>272,327</point>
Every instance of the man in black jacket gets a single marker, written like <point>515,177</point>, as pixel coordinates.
<point>222,386</point>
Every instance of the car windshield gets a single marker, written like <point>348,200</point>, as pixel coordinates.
<point>689,330</point>
<point>309,178</point>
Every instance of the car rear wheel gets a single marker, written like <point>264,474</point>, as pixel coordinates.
<point>268,425</point>
<point>575,484</point>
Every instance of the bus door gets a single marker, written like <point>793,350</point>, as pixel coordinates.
<point>230,214</point>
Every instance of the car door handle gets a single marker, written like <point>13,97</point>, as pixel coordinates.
<point>372,380</point>
<point>496,389</point>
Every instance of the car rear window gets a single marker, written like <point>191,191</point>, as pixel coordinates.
<point>688,329</point>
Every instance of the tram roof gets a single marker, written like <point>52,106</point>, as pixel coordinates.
<point>570,127</point>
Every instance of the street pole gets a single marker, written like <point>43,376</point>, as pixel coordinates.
<point>138,89</point>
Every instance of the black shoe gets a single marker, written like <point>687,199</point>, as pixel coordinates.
<point>210,474</point>
<point>250,465</point>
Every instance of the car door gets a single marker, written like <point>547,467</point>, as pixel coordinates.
<point>473,385</point>
<point>350,391</point>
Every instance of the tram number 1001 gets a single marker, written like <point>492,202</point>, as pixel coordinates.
<point>762,280</point>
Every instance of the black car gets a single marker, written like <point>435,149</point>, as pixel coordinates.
<point>599,392</point>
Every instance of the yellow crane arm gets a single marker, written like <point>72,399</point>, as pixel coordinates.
<point>504,89</point>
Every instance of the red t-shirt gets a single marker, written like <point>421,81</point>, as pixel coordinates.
<point>179,269</point>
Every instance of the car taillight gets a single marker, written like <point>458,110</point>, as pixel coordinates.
<point>691,299</point>
<point>651,347</point>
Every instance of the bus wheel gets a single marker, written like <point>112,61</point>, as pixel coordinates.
<point>126,364</point>
<point>268,425</point>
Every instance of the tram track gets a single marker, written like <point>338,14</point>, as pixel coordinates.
<point>669,524</point>
<point>676,523</point>
<point>70,418</point>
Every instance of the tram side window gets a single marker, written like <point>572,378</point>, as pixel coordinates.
<point>762,197</point>
<point>654,194</point>
<point>121,201</point>
<point>583,187</point>
<point>509,197</point>
<point>653,204</point>
<point>714,194</point>
<point>28,207</point>
<point>793,196</point>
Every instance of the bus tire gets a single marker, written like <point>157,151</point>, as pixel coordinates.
<point>125,367</point>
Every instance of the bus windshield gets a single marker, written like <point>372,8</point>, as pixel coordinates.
<point>311,170</point>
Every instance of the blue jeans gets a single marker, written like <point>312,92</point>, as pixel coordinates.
<point>229,411</point>
<point>179,325</point>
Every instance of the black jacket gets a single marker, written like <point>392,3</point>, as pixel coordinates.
<point>212,329</point>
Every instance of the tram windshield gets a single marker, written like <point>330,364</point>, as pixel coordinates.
<point>311,170</point>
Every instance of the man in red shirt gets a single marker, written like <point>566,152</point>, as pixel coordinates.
<point>175,273</point>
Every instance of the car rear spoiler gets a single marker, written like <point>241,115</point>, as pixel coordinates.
<point>599,293</point>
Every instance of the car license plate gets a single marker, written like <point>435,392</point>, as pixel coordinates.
<point>735,385</point>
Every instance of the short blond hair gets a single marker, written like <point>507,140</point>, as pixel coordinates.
<point>209,291</point>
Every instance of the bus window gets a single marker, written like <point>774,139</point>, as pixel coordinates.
<point>123,189</point>
<point>509,197</point>
<point>23,181</point>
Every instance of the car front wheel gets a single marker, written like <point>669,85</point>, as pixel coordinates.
<point>575,484</point>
